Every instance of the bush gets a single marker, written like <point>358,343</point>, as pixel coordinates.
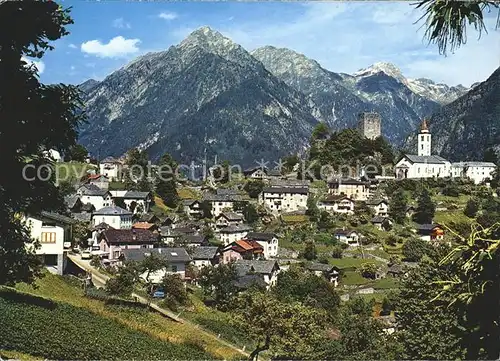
<point>59,331</point>
<point>337,252</point>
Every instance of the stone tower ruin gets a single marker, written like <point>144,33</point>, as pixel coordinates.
<point>369,124</point>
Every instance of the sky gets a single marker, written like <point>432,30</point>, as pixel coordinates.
<point>341,36</point>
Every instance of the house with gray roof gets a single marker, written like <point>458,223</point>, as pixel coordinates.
<point>176,260</point>
<point>269,241</point>
<point>331,273</point>
<point>90,193</point>
<point>223,200</point>
<point>228,219</point>
<point>115,216</point>
<point>478,172</point>
<point>267,269</point>
<point>280,200</point>
<point>204,256</point>
<point>233,233</point>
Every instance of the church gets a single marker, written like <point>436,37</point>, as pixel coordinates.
<point>425,165</point>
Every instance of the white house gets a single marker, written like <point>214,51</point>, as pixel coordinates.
<point>222,201</point>
<point>255,173</point>
<point>331,273</point>
<point>349,187</point>
<point>337,204</point>
<point>54,233</point>
<point>379,206</point>
<point>140,202</point>
<point>111,168</point>
<point>284,199</point>
<point>116,217</point>
<point>192,208</point>
<point>99,180</point>
<point>176,260</point>
<point>346,236</point>
<point>267,269</point>
<point>205,256</point>
<point>228,219</point>
<point>269,241</point>
<point>423,165</point>
<point>478,172</point>
<point>92,194</point>
<point>230,234</point>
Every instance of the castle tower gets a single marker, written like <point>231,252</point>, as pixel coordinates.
<point>369,124</point>
<point>424,140</point>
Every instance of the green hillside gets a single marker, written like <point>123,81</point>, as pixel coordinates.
<point>56,330</point>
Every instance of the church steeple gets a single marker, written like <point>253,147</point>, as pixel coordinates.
<point>424,140</point>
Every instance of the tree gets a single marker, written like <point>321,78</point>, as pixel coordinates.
<point>325,221</point>
<point>218,283</point>
<point>254,188</point>
<point>35,118</point>
<point>429,330</point>
<point>175,291</point>
<point>425,208</point>
<point>123,283</point>
<point>81,234</point>
<point>414,249</point>
<point>166,184</point>
<point>309,252</point>
<point>222,172</point>
<point>312,209</point>
<point>337,252</point>
<point>368,270</point>
<point>250,213</point>
<point>206,209</point>
<point>446,21</point>
<point>78,153</point>
<point>136,176</point>
<point>305,287</point>
<point>151,264</point>
<point>397,206</point>
<point>471,208</point>
<point>472,287</point>
<point>66,188</point>
<point>289,330</point>
<point>320,131</point>
<point>290,162</point>
<point>451,190</point>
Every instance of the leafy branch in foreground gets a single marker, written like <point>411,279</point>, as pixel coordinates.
<point>474,288</point>
<point>447,20</point>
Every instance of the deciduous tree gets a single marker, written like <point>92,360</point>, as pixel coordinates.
<point>35,118</point>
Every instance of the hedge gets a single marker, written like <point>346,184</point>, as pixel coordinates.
<point>41,327</point>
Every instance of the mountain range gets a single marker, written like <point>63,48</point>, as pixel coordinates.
<point>208,96</point>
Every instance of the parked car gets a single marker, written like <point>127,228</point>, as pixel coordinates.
<point>86,254</point>
<point>159,293</point>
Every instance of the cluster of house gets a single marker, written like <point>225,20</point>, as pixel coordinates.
<point>426,165</point>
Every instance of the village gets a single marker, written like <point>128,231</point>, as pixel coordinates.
<point>265,222</point>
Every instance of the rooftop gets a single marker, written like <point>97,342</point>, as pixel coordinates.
<point>174,254</point>
<point>258,266</point>
<point>111,211</point>
<point>426,159</point>
<point>290,190</point>
<point>136,195</point>
<point>260,236</point>
<point>129,236</point>
<point>204,253</point>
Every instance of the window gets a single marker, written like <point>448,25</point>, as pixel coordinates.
<point>48,237</point>
<point>174,268</point>
<point>422,146</point>
<point>422,138</point>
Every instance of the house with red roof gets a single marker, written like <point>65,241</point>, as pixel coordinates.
<point>242,249</point>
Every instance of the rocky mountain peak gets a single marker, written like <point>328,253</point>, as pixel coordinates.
<point>210,40</point>
<point>387,68</point>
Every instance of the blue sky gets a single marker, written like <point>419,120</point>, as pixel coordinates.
<point>341,36</point>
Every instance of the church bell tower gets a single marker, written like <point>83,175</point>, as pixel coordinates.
<point>424,140</point>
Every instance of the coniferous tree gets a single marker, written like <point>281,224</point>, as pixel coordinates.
<point>471,208</point>
<point>166,184</point>
<point>397,206</point>
<point>425,208</point>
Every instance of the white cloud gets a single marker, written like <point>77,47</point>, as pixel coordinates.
<point>120,23</point>
<point>39,65</point>
<point>167,15</point>
<point>72,67</point>
<point>73,46</point>
<point>115,48</point>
